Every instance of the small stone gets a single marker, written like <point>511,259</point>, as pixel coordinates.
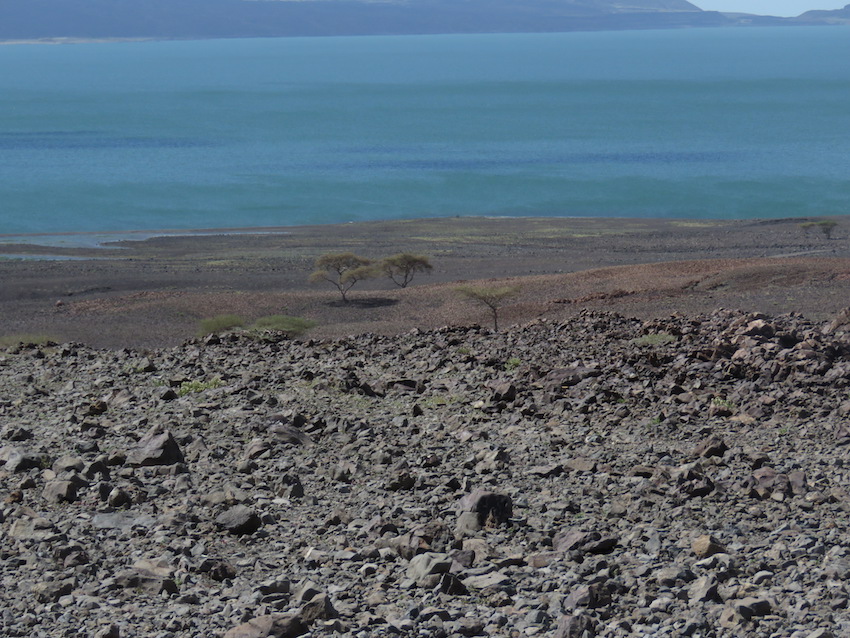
<point>704,589</point>
<point>706,545</point>
<point>318,608</point>
<point>67,464</point>
<point>713,446</point>
<point>590,596</point>
<point>269,626</point>
<point>239,520</point>
<point>752,606</point>
<point>60,492</point>
<point>492,508</point>
<point>574,627</point>
<point>112,631</point>
<point>156,447</point>
<point>305,591</point>
<point>494,580</point>
<point>143,581</point>
<point>52,591</point>
<point>422,566</point>
<point>730,618</point>
<point>118,497</point>
<point>451,585</point>
<point>217,569</point>
<point>467,524</point>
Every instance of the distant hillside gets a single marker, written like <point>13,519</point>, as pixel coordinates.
<point>32,19</point>
<point>838,16</point>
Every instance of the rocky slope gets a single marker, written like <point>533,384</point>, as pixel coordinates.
<point>598,477</point>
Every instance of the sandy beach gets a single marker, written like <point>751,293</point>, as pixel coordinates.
<point>154,292</point>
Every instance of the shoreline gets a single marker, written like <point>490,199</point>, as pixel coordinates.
<point>110,240</point>
<point>103,239</point>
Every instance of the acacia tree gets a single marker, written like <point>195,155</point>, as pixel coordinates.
<point>826,226</point>
<point>492,297</point>
<point>343,270</point>
<point>402,267</point>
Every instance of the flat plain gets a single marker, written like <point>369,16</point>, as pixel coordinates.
<point>154,292</point>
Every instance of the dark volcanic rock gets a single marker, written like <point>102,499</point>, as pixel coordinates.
<point>156,447</point>
<point>239,520</point>
<point>490,508</point>
<point>675,477</point>
<point>270,626</point>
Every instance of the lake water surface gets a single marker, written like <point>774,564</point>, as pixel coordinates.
<point>703,123</point>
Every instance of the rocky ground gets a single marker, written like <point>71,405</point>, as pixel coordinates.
<point>598,476</point>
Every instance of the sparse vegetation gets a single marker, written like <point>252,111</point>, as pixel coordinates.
<point>219,323</point>
<point>512,364</point>
<point>654,339</point>
<point>492,297</point>
<point>726,404</point>
<point>191,387</point>
<point>342,270</point>
<point>292,326</point>
<point>402,267</point>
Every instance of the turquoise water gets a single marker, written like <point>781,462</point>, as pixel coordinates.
<point>731,123</point>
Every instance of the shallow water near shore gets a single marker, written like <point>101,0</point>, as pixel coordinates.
<point>720,123</point>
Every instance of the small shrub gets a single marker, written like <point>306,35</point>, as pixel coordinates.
<point>292,326</point>
<point>512,364</point>
<point>655,339</point>
<point>191,387</point>
<point>219,323</point>
<point>726,404</point>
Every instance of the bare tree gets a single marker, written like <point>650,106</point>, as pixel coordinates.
<point>492,297</point>
<point>402,267</point>
<point>343,270</point>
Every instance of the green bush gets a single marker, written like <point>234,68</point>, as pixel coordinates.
<point>219,323</point>
<point>292,326</point>
<point>190,387</point>
<point>512,364</point>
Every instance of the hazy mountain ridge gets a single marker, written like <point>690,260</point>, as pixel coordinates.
<point>34,19</point>
<point>837,16</point>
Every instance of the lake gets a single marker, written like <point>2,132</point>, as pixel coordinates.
<point>700,123</point>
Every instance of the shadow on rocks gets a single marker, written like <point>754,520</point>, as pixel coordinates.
<point>364,302</point>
